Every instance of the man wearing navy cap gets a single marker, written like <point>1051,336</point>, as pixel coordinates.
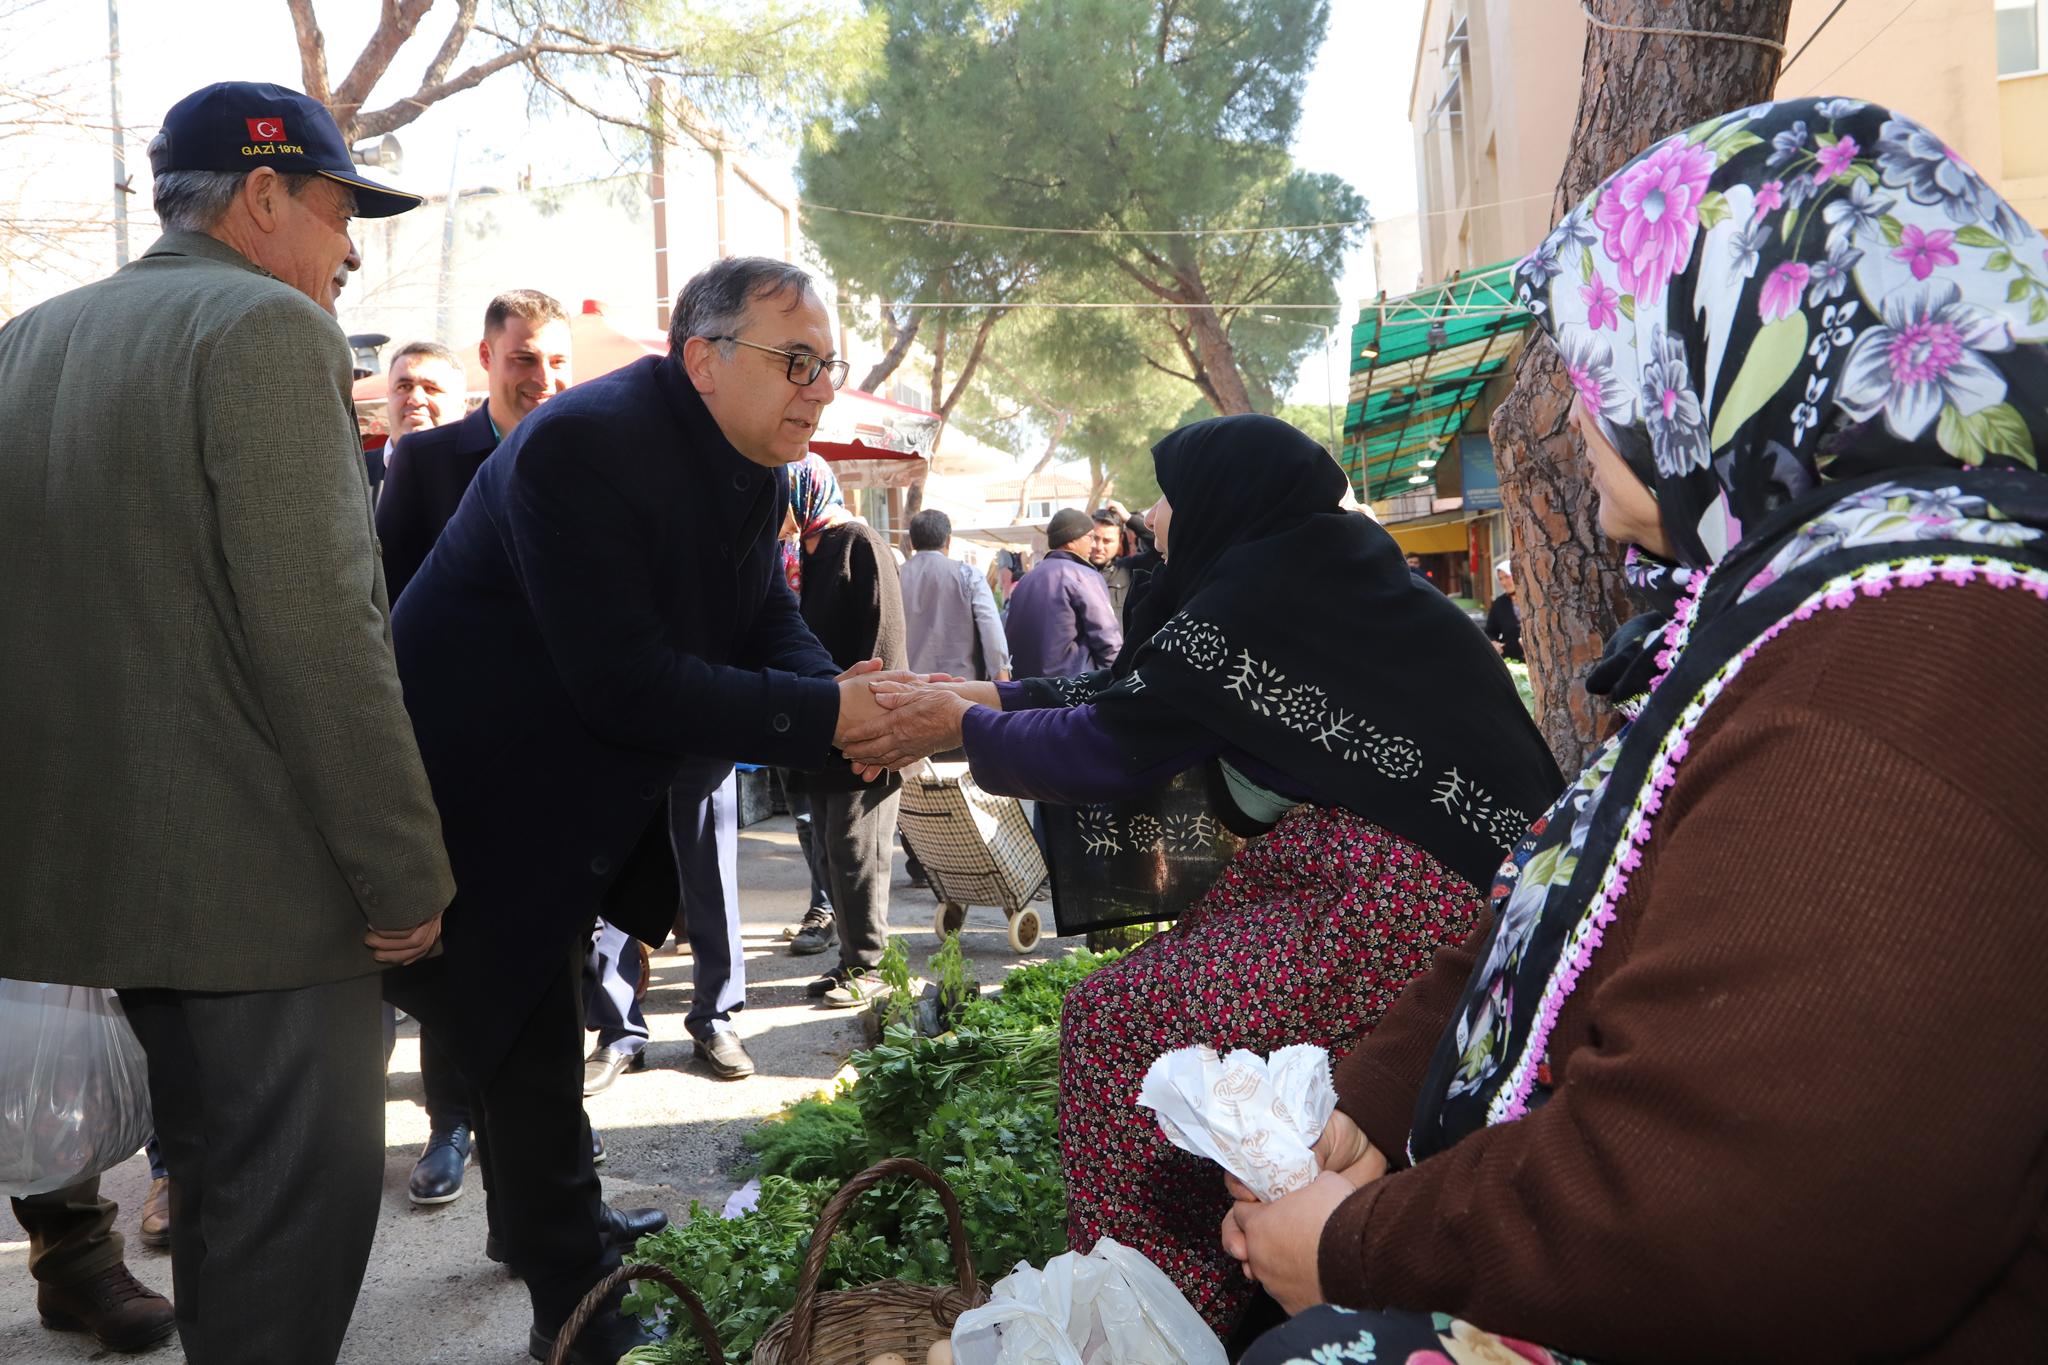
<point>214,802</point>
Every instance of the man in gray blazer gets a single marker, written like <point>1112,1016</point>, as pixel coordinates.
<point>213,800</point>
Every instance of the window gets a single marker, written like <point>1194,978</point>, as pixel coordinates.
<point>1042,508</point>
<point>2019,37</point>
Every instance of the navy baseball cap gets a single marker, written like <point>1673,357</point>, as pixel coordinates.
<point>240,125</point>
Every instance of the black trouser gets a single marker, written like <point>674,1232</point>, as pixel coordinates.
<point>798,800</point>
<point>270,1109</point>
<point>447,1094</point>
<point>856,831</point>
<point>533,1144</point>
<point>71,1235</point>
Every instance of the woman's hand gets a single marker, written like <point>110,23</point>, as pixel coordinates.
<point>915,722</point>
<point>1343,1149</point>
<point>1278,1243</point>
<point>1343,1146</point>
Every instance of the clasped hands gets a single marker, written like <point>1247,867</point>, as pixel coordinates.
<point>1278,1243</point>
<point>889,720</point>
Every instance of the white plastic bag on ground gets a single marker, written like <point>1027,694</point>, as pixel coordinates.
<point>1110,1307</point>
<point>74,1086</point>
<point>1257,1117</point>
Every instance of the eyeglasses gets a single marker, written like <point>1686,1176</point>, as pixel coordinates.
<point>804,368</point>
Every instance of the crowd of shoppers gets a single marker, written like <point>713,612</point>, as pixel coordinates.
<point>1721,1050</point>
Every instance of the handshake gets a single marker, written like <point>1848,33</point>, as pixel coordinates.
<point>889,720</point>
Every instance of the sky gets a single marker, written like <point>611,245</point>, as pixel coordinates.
<point>1354,114</point>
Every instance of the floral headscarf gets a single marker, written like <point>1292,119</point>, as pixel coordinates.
<point>1797,292</point>
<point>1817,337</point>
<point>817,503</point>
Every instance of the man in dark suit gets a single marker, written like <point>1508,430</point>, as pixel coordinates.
<point>525,356</point>
<point>606,607</point>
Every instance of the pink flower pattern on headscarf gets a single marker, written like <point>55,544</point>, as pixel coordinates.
<point>1922,251</point>
<point>1602,304</point>
<point>1650,214</point>
<point>1835,160</point>
<point>1780,297</point>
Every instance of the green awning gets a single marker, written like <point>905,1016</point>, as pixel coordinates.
<point>1412,391</point>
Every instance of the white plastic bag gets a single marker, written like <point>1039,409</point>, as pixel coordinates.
<point>1257,1117</point>
<point>74,1086</point>
<point>1110,1307</point>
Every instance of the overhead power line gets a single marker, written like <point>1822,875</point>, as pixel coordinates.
<point>1090,232</point>
<point>1817,85</point>
<point>1167,232</point>
<point>1839,4</point>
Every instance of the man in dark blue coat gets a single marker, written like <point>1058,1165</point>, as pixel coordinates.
<point>606,607</point>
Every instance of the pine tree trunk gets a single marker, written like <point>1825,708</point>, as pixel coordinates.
<point>1634,89</point>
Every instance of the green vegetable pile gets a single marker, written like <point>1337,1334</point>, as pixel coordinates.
<point>975,1104</point>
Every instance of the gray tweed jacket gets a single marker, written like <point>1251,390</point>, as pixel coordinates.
<point>207,777</point>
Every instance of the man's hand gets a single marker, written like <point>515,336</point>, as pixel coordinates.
<point>916,723</point>
<point>396,947</point>
<point>859,714</point>
<point>1277,1243</point>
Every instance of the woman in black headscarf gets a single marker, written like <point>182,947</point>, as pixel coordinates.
<point>1357,728</point>
<point>1746,1066</point>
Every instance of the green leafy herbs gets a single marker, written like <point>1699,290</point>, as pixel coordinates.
<point>1031,998</point>
<point>976,1104</point>
<point>894,969</point>
<point>957,985</point>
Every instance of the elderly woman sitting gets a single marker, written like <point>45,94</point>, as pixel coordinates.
<point>1747,1064</point>
<point>1352,723</point>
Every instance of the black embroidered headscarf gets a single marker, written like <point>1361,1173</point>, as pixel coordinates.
<point>1292,629</point>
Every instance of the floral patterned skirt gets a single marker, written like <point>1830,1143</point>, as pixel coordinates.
<point>1338,1336</point>
<point>1307,936</point>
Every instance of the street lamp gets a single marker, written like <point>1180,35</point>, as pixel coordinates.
<point>1329,332</point>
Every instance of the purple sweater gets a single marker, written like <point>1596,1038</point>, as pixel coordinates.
<point>1063,754</point>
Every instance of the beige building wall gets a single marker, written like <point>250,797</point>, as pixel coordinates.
<point>1496,88</point>
<point>1488,159</point>
<point>1936,60</point>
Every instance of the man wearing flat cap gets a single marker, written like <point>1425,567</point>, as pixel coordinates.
<point>214,803</point>
<point>1060,623</point>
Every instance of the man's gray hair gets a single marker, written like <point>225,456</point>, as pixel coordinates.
<point>715,300</point>
<point>196,201</point>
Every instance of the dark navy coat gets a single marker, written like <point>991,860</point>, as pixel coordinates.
<point>425,475</point>
<point>607,601</point>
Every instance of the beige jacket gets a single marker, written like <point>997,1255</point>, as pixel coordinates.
<point>207,777</point>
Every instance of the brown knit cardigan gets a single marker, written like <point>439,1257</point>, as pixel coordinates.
<point>1802,1091</point>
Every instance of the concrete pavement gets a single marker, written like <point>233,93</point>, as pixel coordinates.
<point>672,1134</point>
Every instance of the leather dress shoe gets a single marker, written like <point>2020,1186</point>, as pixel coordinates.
<point>726,1056</point>
<point>156,1214</point>
<point>605,1338</point>
<point>605,1064</point>
<point>120,1312</point>
<point>437,1176</point>
<point>622,1228</point>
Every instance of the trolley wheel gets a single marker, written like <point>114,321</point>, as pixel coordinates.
<point>1024,930</point>
<point>948,918</point>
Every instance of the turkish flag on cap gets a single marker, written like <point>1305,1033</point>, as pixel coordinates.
<point>266,129</point>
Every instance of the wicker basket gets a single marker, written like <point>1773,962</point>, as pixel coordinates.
<point>853,1326</point>
<point>626,1274</point>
